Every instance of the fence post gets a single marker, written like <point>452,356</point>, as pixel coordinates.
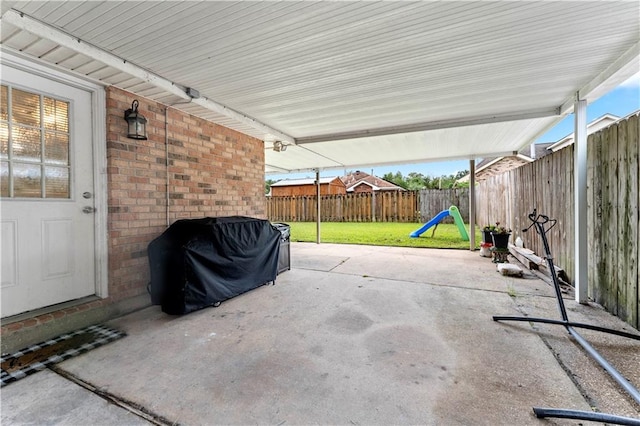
<point>472,204</point>
<point>373,206</point>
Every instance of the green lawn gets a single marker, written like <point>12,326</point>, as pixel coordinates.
<point>381,234</point>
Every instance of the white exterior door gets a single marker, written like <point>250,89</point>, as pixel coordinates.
<point>47,192</point>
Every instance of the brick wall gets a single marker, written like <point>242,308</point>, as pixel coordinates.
<point>363,187</point>
<point>212,171</point>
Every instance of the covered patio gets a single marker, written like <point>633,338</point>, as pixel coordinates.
<point>350,335</point>
<point>339,85</point>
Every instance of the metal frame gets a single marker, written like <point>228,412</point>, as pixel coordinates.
<point>580,200</point>
<point>540,221</point>
<point>430,125</point>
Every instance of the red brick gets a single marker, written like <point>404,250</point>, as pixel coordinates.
<point>30,322</point>
<point>13,327</point>
<point>202,154</point>
<point>45,318</point>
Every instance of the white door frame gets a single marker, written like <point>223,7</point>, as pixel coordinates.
<point>98,130</point>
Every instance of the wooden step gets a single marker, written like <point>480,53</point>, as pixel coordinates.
<point>534,262</point>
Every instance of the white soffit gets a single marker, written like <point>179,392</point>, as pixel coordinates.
<point>326,73</point>
<point>467,142</point>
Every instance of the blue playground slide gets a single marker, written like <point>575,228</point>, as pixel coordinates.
<point>453,212</point>
<point>432,222</point>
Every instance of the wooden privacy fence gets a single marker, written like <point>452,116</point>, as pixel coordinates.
<point>396,206</point>
<point>545,185</point>
<point>401,206</point>
<point>363,207</point>
<point>614,228</point>
<point>612,212</point>
<point>433,201</point>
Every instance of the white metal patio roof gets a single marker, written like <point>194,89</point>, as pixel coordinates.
<point>347,84</point>
<point>305,181</point>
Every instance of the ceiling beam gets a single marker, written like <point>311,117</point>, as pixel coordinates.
<point>68,41</point>
<point>404,162</point>
<point>276,169</point>
<point>429,125</point>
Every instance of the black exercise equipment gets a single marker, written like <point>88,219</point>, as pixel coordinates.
<point>542,225</point>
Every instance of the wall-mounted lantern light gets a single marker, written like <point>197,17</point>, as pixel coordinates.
<point>137,123</point>
<point>278,146</point>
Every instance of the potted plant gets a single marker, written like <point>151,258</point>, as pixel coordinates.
<point>500,236</point>
<point>487,241</point>
<point>486,234</point>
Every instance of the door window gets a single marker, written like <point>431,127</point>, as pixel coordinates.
<point>34,145</point>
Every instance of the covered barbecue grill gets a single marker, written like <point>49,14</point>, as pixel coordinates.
<point>197,263</point>
<point>284,259</point>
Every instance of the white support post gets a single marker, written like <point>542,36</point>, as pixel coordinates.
<point>472,204</point>
<point>580,200</point>
<point>318,206</point>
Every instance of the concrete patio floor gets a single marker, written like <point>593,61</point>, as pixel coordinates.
<point>351,335</point>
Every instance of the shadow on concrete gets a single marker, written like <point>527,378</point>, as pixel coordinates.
<point>350,335</point>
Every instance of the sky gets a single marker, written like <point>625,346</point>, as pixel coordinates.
<point>621,101</point>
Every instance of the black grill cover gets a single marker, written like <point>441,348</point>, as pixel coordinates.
<point>200,262</point>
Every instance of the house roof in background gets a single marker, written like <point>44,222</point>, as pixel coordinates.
<point>597,124</point>
<point>524,156</point>
<point>354,179</point>
<point>494,166</point>
<point>347,84</point>
<point>499,165</point>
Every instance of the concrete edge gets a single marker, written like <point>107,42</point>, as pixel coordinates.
<point>22,338</point>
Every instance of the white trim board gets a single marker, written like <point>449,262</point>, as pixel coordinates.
<point>99,145</point>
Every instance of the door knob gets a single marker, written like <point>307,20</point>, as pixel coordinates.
<point>88,209</point>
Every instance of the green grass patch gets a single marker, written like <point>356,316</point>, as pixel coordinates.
<point>381,234</point>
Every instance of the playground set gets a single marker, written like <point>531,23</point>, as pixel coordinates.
<point>453,212</point>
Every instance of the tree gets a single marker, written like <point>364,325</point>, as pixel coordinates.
<point>267,185</point>
<point>461,174</point>
<point>396,179</point>
<point>415,181</point>
<point>462,184</point>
